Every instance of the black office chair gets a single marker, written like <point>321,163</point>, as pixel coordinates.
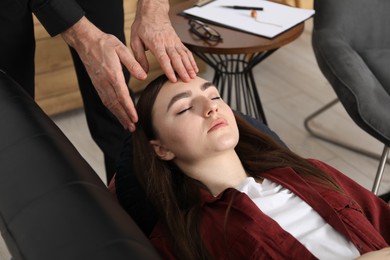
<point>351,42</point>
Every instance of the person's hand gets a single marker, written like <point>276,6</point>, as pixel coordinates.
<point>152,30</point>
<point>376,255</point>
<point>103,55</point>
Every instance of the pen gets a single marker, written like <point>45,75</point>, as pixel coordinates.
<point>243,7</point>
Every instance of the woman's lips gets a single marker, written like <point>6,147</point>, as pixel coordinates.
<point>216,124</point>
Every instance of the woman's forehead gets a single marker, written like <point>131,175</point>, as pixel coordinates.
<point>172,88</point>
<point>193,82</point>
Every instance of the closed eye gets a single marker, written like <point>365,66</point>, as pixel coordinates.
<point>189,108</point>
<point>184,110</point>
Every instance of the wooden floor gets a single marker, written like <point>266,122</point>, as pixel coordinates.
<point>291,87</point>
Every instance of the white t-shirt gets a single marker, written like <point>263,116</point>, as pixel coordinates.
<point>299,219</point>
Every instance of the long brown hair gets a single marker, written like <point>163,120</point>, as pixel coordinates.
<point>177,197</point>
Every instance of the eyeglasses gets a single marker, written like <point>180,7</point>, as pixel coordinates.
<point>204,31</point>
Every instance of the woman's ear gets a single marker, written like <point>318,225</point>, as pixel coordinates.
<point>162,152</point>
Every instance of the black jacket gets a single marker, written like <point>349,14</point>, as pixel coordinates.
<point>55,15</point>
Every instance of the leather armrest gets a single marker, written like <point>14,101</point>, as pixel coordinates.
<point>52,204</point>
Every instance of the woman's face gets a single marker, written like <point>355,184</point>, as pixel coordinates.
<point>192,122</point>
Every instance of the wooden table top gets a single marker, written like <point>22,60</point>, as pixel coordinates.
<point>234,41</point>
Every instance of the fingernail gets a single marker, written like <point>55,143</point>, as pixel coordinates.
<point>141,75</point>
<point>132,128</point>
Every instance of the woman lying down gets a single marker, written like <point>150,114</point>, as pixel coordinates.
<point>225,190</point>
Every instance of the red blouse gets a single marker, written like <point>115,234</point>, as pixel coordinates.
<point>359,215</point>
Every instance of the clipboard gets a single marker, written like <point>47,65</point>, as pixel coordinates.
<point>273,20</point>
<point>201,3</point>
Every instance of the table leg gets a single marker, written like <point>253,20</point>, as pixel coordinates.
<point>233,76</point>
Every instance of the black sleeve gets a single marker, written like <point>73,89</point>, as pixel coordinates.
<point>56,15</point>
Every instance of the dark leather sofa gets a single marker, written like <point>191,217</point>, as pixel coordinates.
<point>52,203</point>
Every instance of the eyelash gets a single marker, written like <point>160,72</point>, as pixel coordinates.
<point>185,110</point>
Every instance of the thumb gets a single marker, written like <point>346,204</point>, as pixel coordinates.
<point>139,50</point>
<point>128,60</point>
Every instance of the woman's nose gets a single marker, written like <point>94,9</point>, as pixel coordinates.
<point>211,107</point>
